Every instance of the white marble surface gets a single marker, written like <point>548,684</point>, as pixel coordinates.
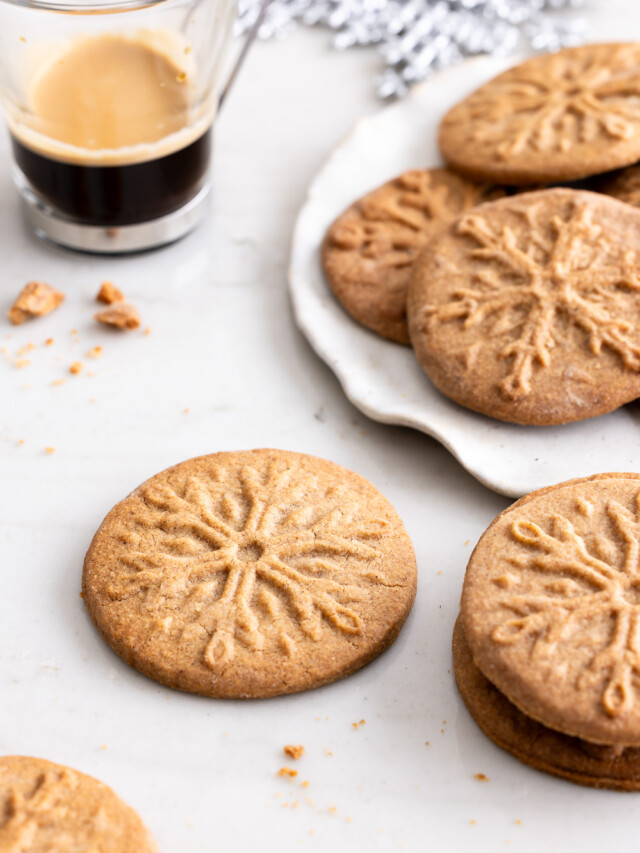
<point>223,345</point>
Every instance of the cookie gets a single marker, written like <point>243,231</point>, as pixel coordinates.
<point>534,744</point>
<point>623,184</point>
<point>551,607</point>
<point>557,117</point>
<point>369,250</point>
<point>250,574</point>
<point>48,808</point>
<point>527,309</point>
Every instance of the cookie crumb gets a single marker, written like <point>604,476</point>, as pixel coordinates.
<point>481,777</point>
<point>147,331</point>
<point>357,725</point>
<point>467,542</point>
<point>21,362</point>
<point>109,293</point>
<point>36,299</point>
<point>94,352</point>
<point>332,809</point>
<point>292,751</point>
<point>518,823</point>
<point>426,743</point>
<point>50,449</point>
<point>327,751</point>
<point>20,442</point>
<point>305,784</point>
<point>121,315</point>
<point>76,368</point>
<point>48,342</point>
<point>472,822</point>
<point>288,771</point>
<point>59,382</point>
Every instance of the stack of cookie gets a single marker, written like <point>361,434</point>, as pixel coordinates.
<point>547,646</point>
<point>521,298</point>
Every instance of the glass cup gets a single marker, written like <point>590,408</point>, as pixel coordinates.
<point>110,107</point>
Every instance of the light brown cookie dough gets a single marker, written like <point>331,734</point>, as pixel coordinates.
<point>369,250</point>
<point>48,808</point>
<point>527,309</point>
<point>250,574</point>
<point>551,610</point>
<point>532,743</point>
<point>557,117</point>
<point>623,184</point>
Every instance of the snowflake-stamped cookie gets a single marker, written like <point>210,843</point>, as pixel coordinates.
<point>48,807</point>
<point>250,574</point>
<point>368,252</point>
<point>547,649</point>
<point>557,117</point>
<point>527,309</point>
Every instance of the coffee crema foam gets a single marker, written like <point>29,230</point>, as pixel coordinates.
<point>112,100</point>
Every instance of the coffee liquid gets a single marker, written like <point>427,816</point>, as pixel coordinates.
<point>117,195</point>
<point>108,139</point>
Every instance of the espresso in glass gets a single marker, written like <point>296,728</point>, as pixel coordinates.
<point>111,139</point>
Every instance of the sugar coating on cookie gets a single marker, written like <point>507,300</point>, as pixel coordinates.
<point>551,607</point>
<point>527,309</point>
<point>369,250</point>
<point>557,117</point>
<point>46,808</point>
<point>250,574</point>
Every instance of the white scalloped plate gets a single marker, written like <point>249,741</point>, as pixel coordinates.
<point>383,379</point>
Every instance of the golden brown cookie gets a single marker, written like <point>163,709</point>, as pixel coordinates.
<point>532,743</point>
<point>527,309</point>
<point>623,184</point>
<point>48,808</point>
<point>551,607</point>
<point>557,117</point>
<point>250,574</point>
<point>369,250</point>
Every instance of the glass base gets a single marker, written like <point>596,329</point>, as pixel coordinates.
<point>51,225</point>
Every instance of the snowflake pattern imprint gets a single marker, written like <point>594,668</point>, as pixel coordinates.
<point>392,224</point>
<point>553,103</point>
<point>43,804</point>
<point>573,587</point>
<point>257,567</point>
<point>536,276</point>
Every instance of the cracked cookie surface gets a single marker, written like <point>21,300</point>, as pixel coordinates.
<point>250,574</point>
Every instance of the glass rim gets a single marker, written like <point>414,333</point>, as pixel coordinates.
<point>96,7</point>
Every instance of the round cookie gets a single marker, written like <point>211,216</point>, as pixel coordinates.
<point>623,184</point>
<point>551,607</point>
<point>368,252</point>
<point>45,808</point>
<point>557,117</point>
<point>250,574</point>
<point>534,744</point>
<point>527,309</point>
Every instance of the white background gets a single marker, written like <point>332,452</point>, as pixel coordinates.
<point>203,773</point>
